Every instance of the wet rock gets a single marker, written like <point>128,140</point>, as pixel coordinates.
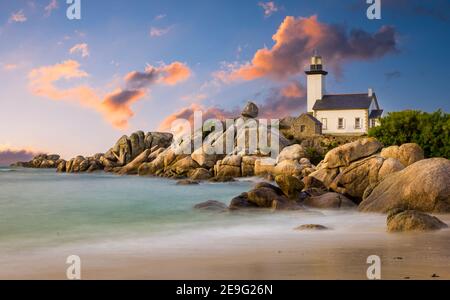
<point>187,182</point>
<point>329,201</point>
<point>307,227</point>
<point>410,220</point>
<point>211,205</point>
<point>290,185</point>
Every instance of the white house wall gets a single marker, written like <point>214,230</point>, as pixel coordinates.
<point>349,116</point>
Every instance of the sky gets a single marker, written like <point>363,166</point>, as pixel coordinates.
<point>75,86</point>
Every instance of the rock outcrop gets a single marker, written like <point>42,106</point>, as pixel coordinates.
<point>353,168</point>
<point>41,161</point>
<point>422,186</point>
<point>410,220</point>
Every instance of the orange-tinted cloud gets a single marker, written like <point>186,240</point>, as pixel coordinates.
<point>296,40</point>
<point>115,106</point>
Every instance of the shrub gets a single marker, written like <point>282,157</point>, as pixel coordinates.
<point>430,130</point>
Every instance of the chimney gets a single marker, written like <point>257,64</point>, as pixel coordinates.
<point>370,94</point>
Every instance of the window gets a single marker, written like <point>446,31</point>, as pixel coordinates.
<point>302,128</point>
<point>324,122</point>
<point>341,123</point>
<point>373,123</point>
<point>357,123</point>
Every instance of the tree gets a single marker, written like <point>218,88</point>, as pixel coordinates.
<point>430,130</point>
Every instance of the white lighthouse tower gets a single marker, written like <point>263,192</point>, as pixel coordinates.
<point>315,82</point>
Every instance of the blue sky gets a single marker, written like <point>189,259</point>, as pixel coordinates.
<point>206,38</point>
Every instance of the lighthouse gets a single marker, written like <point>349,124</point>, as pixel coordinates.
<point>315,80</point>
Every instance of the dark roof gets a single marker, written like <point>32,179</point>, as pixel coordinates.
<point>375,114</point>
<point>312,118</point>
<point>344,101</point>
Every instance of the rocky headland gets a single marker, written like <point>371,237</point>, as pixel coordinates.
<point>360,174</point>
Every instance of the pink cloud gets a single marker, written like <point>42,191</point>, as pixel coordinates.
<point>17,17</point>
<point>115,106</point>
<point>82,48</point>
<point>269,8</point>
<point>296,40</point>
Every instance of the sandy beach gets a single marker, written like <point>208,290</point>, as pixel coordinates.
<point>279,254</point>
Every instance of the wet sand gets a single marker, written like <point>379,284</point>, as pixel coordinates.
<point>286,254</point>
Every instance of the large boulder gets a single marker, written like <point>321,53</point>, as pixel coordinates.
<point>204,159</point>
<point>183,166</point>
<point>137,143</point>
<point>411,220</point>
<point>228,171</point>
<point>422,186</point>
<point>325,176</point>
<point>132,167</point>
<point>248,166</point>
<point>200,174</point>
<point>290,185</point>
<point>407,154</point>
<point>329,201</point>
<point>288,167</point>
<point>348,153</point>
<point>241,202</point>
<point>293,152</point>
<point>250,110</point>
<point>264,166</point>
<point>354,179</point>
<point>264,195</point>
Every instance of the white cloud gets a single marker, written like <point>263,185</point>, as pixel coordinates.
<point>83,49</point>
<point>269,8</point>
<point>17,17</point>
<point>157,32</point>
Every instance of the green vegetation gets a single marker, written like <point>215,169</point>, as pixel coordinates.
<point>315,157</point>
<point>430,130</point>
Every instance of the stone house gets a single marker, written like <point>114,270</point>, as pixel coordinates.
<point>305,126</point>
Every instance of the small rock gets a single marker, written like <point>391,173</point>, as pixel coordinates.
<point>311,227</point>
<point>187,182</point>
<point>211,205</point>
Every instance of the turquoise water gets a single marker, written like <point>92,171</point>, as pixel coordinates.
<point>44,208</point>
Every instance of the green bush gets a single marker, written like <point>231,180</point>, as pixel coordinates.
<point>430,130</point>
